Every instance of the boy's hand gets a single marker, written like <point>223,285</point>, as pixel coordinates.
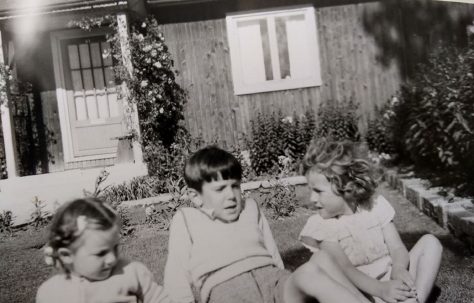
<point>401,274</point>
<point>395,290</point>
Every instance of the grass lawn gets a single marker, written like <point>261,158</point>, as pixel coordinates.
<point>22,268</point>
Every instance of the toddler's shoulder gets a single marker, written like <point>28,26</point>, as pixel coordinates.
<point>53,289</point>
<point>321,229</point>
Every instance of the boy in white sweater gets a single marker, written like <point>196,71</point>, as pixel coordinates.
<point>223,250</point>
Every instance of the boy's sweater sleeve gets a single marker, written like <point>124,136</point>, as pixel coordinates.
<point>150,290</point>
<point>269,241</point>
<point>177,280</point>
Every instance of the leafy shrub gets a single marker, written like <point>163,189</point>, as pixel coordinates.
<point>39,217</point>
<point>338,121</point>
<point>6,222</point>
<point>440,122</point>
<point>273,135</point>
<point>136,188</point>
<point>248,173</point>
<point>167,163</point>
<point>280,199</point>
<point>378,136</point>
<point>160,215</point>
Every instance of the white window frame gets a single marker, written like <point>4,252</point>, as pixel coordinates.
<point>240,86</point>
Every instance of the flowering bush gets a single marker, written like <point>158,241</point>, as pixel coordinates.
<point>378,136</point>
<point>338,121</point>
<point>274,136</point>
<point>160,100</point>
<point>151,84</point>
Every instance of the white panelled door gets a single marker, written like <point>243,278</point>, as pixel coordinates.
<point>95,113</point>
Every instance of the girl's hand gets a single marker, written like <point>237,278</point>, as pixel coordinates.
<point>395,290</point>
<point>401,274</point>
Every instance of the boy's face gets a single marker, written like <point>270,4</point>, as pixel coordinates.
<point>224,197</point>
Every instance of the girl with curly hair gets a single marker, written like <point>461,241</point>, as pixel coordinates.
<point>355,227</point>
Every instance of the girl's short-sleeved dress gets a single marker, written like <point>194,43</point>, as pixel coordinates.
<point>360,236</point>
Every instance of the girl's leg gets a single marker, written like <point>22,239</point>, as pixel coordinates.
<point>310,280</point>
<point>425,259</point>
<point>330,266</point>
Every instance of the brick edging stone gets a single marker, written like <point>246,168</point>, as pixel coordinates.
<point>456,215</point>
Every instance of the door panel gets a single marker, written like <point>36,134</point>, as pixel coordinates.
<point>95,112</point>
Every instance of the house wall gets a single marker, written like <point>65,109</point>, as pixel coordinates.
<point>365,50</point>
<point>348,69</point>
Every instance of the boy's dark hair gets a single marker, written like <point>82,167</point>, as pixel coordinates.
<point>211,163</point>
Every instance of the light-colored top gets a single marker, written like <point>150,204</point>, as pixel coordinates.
<point>360,236</point>
<point>127,278</point>
<point>204,252</point>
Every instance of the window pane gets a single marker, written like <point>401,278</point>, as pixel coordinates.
<point>106,53</point>
<point>84,54</point>
<point>282,44</point>
<point>103,105</point>
<point>81,110</point>
<point>95,54</point>
<point>88,83</point>
<point>91,103</point>
<point>298,48</point>
<point>251,51</point>
<point>76,80</point>
<point>73,56</point>
<point>99,79</point>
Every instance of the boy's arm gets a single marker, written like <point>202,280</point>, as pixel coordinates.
<point>177,281</point>
<point>269,241</point>
<point>399,254</point>
<point>390,291</point>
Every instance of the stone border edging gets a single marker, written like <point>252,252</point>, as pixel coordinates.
<point>457,215</point>
<point>296,180</point>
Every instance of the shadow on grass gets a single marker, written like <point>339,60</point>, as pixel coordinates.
<point>448,241</point>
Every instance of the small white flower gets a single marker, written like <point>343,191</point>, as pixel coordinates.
<point>147,48</point>
<point>287,119</point>
<point>148,211</point>
<point>144,83</point>
<point>154,53</point>
<point>394,100</point>
<point>157,64</point>
<point>161,110</point>
<point>143,25</point>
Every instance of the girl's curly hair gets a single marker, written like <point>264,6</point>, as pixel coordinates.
<point>71,220</point>
<point>345,168</point>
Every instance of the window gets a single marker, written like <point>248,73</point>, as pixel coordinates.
<point>273,50</point>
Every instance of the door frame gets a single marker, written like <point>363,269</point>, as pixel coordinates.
<point>61,92</point>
